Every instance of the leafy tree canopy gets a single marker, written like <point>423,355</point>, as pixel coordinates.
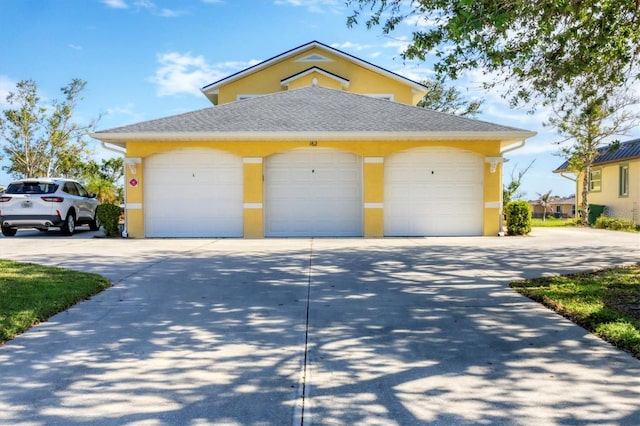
<point>448,99</point>
<point>105,179</point>
<point>42,139</point>
<point>537,47</point>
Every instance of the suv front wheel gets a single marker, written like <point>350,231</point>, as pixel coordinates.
<point>69,225</point>
<point>94,225</point>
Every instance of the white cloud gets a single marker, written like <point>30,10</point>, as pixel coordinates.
<point>400,44</point>
<point>351,46</point>
<point>116,4</point>
<point>170,13</point>
<point>147,5</point>
<point>183,73</point>
<point>74,46</point>
<point>124,114</point>
<point>144,4</point>
<point>414,72</point>
<point>314,6</point>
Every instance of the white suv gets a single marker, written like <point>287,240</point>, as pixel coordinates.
<point>47,202</point>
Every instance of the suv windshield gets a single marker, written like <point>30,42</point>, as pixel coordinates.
<point>31,188</point>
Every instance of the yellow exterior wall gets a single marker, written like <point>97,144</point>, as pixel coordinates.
<point>373,153</point>
<point>618,206</point>
<point>362,80</point>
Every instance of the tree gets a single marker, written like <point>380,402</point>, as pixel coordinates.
<point>536,48</point>
<point>42,140</point>
<point>105,179</point>
<point>545,201</point>
<point>511,191</point>
<point>448,99</point>
<point>590,118</point>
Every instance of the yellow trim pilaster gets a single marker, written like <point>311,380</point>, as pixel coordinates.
<point>253,197</point>
<point>492,197</point>
<point>373,182</point>
<point>134,203</point>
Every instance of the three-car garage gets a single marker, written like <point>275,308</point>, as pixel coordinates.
<point>313,192</point>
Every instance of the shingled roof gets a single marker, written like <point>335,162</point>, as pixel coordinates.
<point>313,112</point>
<point>607,154</point>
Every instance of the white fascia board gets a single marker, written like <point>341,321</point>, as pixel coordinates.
<point>121,138</point>
<point>342,81</point>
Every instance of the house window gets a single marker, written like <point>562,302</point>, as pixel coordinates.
<point>624,180</point>
<point>595,180</point>
<point>573,210</point>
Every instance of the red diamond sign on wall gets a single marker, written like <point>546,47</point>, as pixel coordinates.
<point>133,182</point>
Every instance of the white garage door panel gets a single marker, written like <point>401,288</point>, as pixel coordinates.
<point>193,193</point>
<point>433,192</point>
<point>313,192</point>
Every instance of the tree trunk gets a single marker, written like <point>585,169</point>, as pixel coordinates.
<point>584,204</point>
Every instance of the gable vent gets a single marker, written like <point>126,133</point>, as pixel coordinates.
<point>314,57</point>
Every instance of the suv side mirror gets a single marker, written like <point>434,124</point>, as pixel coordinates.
<point>91,195</point>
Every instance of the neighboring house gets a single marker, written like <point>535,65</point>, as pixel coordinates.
<point>313,142</point>
<point>614,180</point>
<point>559,207</point>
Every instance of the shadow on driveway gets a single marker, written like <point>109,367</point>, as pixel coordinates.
<point>393,331</point>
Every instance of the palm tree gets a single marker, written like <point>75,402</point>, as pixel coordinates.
<point>545,201</point>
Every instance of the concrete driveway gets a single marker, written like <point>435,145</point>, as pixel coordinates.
<point>324,331</point>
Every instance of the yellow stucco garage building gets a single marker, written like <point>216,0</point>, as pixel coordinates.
<point>313,142</point>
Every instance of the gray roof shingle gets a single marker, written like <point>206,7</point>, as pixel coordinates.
<point>607,154</point>
<point>309,109</point>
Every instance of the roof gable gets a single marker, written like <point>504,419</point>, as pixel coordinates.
<point>607,154</point>
<point>313,112</point>
<point>212,89</point>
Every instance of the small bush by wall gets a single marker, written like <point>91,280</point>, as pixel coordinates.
<point>616,224</point>
<point>108,216</point>
<point>518,217</point>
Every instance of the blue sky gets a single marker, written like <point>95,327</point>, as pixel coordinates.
<point>144,59</point>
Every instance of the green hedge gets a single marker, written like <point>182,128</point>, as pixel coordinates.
<point>109,215</point>
<point>518,217</point>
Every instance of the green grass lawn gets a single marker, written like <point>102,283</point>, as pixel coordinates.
<point>552,222</point>
<point>607,303</point>
<point>30,294</point>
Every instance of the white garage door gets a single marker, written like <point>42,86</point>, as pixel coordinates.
<point>433,192</point>
<point>193,193</point>
<point>313,192</point>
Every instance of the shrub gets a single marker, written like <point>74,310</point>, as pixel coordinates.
<point>109,215</point>
<point>518,217</point>
<point>615,224</point>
